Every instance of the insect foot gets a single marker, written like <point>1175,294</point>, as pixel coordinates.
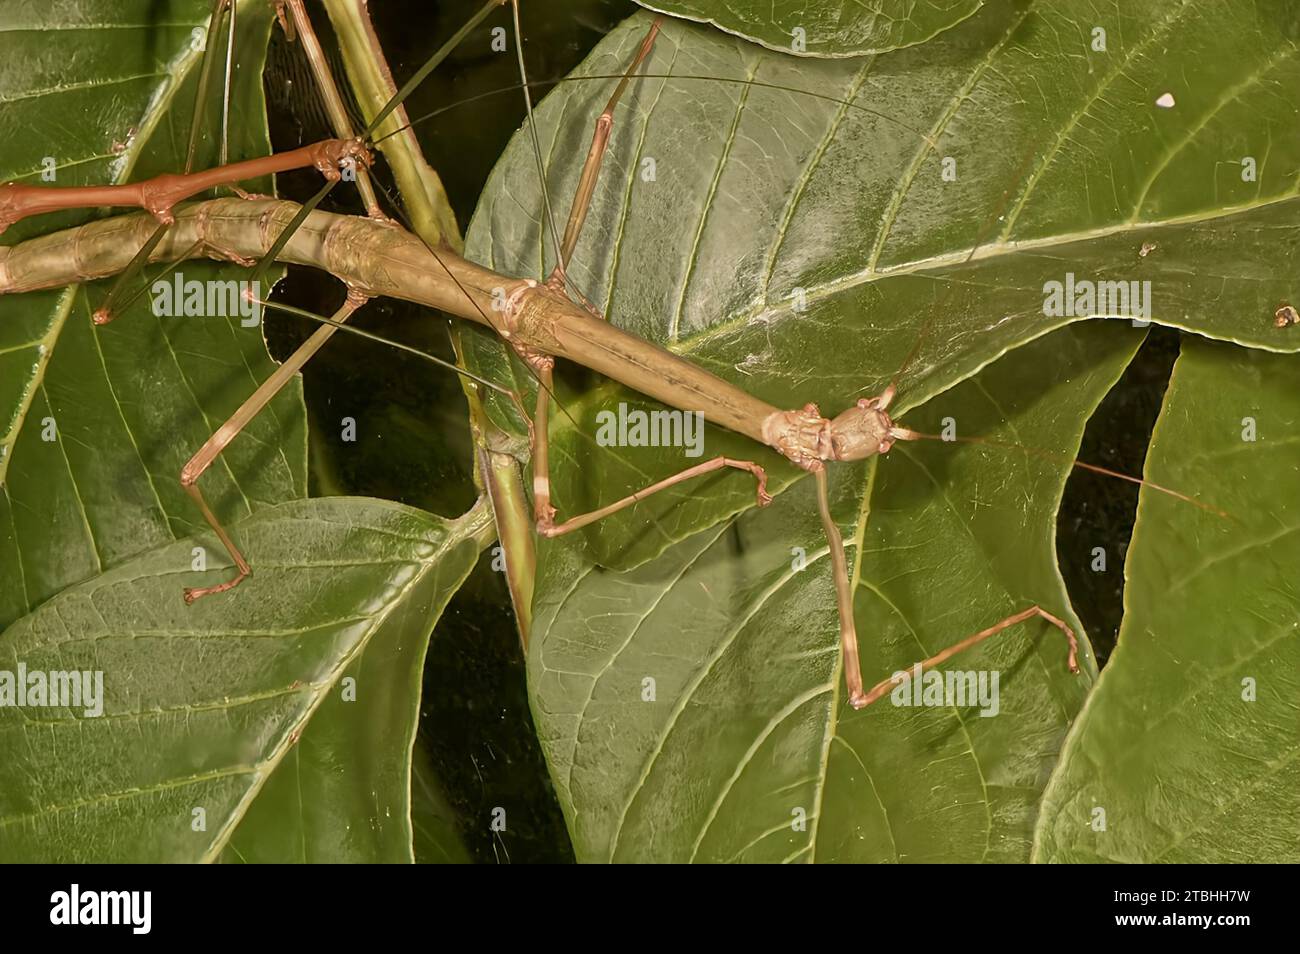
<point>543,512</point>
<point>192,593</point>
<point>760,475</point>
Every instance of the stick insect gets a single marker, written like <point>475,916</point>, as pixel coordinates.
<point>540,321</point>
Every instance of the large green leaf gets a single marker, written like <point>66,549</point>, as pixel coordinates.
<point>719,202</point>
<point>1190,745</point>
<point>203,703</point>
<point>829,27</point>
<point>127,403</point>
<point>748,723</point>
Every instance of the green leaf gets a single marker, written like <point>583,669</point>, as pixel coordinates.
<point>344,793</point>
<point>726,205</point>
<point>203,703</point>
<point>127,403</point>
<point>1189,742</point>
<point>748,725</point>
<point>830,27</point>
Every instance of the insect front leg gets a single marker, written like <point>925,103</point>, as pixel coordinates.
<point>865,430</point>
<point>843,591</point>
<point>859,697</point>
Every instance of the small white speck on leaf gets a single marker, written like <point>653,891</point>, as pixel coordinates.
<point>1166,101</point>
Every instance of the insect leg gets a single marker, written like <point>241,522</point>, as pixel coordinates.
<point>217,443</point>
<point>544,512</point>
<point>843,593</point>
<point>558,278</point>
<point>886,685</point>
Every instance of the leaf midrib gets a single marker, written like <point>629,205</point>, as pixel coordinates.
<point>767,313</point>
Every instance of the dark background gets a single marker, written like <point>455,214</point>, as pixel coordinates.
<point>413,445</point>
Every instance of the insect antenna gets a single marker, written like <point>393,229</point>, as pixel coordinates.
<point>224,151</point>
<point>903,433</point>
<point>697,77</point>
<point>394,343</point>
<point>907,434</point>
<point>547,213</point>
